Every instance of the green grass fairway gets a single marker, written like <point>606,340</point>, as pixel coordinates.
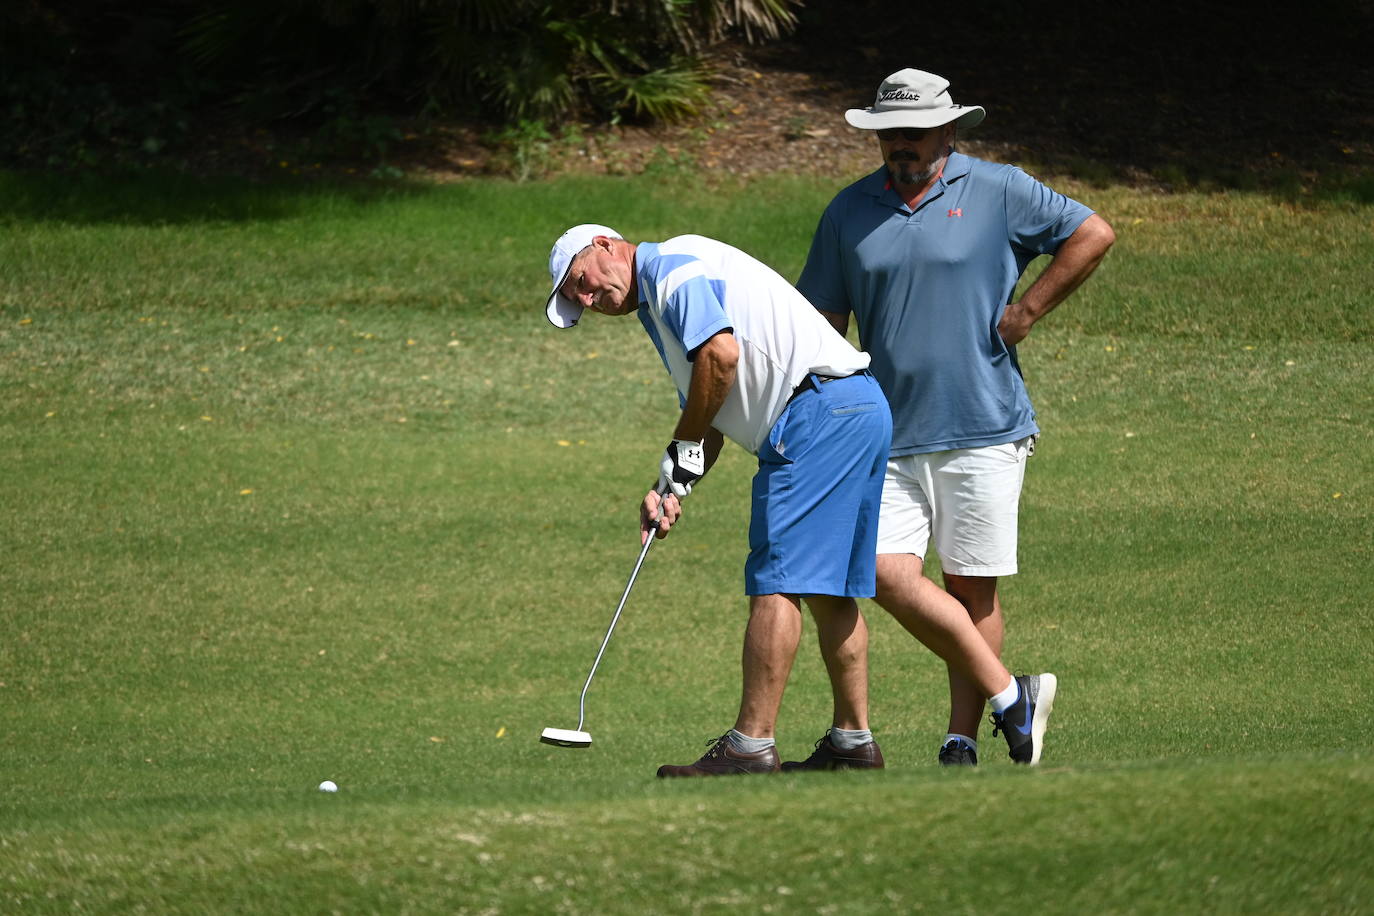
<point>299,485</point>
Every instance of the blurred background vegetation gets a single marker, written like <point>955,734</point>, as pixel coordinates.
<point>1172,88</point>
<point>98,80</point>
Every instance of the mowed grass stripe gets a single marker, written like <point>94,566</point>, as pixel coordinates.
<point>1247,834</point>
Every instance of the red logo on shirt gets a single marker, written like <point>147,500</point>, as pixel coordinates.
<point>958,211</point>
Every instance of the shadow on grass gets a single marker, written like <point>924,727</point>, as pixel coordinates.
<point>153,199</point>
<point>150,198</point>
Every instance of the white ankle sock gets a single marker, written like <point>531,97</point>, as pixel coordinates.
<point>746,745</point>
<point>1003,701</point>
<point>846,739</point>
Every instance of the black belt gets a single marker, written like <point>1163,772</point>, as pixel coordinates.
<point>809,383</point>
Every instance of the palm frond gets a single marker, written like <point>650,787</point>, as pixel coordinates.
<point>667,93</point>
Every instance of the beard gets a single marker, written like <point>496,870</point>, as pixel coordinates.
<point>906,169</point>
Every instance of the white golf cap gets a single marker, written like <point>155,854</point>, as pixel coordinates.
<point>562,311</point>
<point>914,98</point>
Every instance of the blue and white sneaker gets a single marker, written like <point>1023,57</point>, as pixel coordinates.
<point>1023,723</point>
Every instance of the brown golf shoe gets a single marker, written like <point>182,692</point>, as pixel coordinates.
<point>827,756</point>
<point>723,760</point>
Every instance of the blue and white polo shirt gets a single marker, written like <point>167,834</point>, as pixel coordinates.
<point>692,287</point>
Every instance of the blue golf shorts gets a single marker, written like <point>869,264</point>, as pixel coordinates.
<point>813,529</point>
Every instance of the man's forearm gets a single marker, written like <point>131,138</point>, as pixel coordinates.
<point>713,374</point>
<point>714,442</point>
<point>1075,261</point>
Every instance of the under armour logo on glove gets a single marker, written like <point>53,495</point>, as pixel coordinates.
<point>684,461</point>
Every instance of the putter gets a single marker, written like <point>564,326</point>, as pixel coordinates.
<point>564,737</point>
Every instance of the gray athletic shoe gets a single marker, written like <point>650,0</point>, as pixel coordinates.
<point>1023,724</point>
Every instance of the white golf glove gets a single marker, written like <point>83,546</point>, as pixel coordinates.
<point>684,461</point>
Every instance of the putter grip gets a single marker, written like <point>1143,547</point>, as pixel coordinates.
<point>662,505</point>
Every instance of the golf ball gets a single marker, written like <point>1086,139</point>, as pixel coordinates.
<point>328,786</point>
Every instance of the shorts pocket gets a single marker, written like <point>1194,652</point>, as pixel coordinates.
<point>853,409</point>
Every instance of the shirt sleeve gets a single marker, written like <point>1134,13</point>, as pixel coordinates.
<point>822,279</point>
<point>693,311</point>
<point>1040,219</point>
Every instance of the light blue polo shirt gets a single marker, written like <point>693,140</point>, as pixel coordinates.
<point>928,288</point>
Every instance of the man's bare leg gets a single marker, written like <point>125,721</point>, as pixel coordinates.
<point>843,636</point>
<point>770,646</point>
<point>940,622</point>
<point>978,595</point>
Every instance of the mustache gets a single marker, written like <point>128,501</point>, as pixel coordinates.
<point>904,156</point>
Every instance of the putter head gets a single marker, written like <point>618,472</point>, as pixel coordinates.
<point>565,737</point>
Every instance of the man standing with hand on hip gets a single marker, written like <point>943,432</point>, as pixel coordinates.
<point>754,361</point>
<point>926,253</point>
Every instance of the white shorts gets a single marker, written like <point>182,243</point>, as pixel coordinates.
<point>965,499</point>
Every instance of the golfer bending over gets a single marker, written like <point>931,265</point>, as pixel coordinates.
<point>753,360</point>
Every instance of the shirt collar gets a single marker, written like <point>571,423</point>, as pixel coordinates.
<point>643,252</point>
<point>878,183</point>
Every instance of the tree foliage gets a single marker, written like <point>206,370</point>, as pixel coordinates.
<point>85,74</point>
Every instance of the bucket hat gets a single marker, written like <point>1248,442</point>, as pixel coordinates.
<point>914,98</point>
